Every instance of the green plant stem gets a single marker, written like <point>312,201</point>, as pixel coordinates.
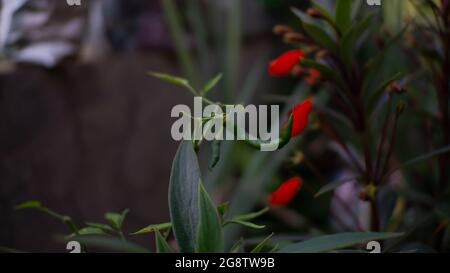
<point>391,147</point>
<point>172,15</point>
<point>375,218</point>
<point>444,90</point>
<point>383,138</point>
<point>233,41</point>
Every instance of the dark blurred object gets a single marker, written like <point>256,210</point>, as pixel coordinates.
<point>40,31</point>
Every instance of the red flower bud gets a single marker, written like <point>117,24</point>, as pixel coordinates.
<point>286,192</point>
<point>313,78</point>
<point>283,65</point>
<point>313,13</point>
<point>282,29</point>
<point>300,116</point>
<point>397,88</point>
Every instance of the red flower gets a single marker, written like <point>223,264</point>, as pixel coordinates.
<point>286,192</point>
<point>313,78</point>
<point>300,117</point>
<point>283,65</point>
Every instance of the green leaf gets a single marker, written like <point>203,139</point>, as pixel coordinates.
<point>261,245</point>
<point>223,208</point>
<point>87,231</point>
<point>350,38</point>
<point>183,196</point>
<point>10,250</point>
<point>245,224</point>
<point>210,233</point>
<point>116,219</point>
<point>275,248</point>
<point>211,84</point>
<point>343,14</point>
<point>378,93</point>
<point>377,59</point>
<point>323,12</point>
<point>104,227</point>
<point>161,245</point>
<point>215,146</point>
<point>329,243</point>
<point>333,185</point>
<point>304,17</point>
<point>182,82</point>
<point>251,216</point>
<point>320,36</point>
<point>109,243</point>
<point>238,247</point>
<point>421,158</point>
<point>32,204</point>
<point>325,71</point>
<point>153,228</point>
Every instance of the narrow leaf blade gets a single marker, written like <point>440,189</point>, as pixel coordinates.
<point>343,14</point>
<point>211,84</point>
<point>153,228</point>
<point>31,204</point>
<point>333,185</point>
<point>109,243</point>
<point>247,224</point>
<point>332,242</point>
<point>161,245</point>
<point>210,234</point>
<point>261,245</point>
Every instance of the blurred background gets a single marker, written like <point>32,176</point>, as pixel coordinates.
<point>84,129</point>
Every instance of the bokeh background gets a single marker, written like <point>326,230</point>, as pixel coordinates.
<point>84,129</point>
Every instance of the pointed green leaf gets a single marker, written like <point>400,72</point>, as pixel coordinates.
<point>421,158</point>
<point>109,243</point>
<point>104,227</point>
<point>215,146</point>
<point>333,185</point>
<point>183,196</point>
<point>350,39</point>
<point>343,14</point>
<point>323,12</point>
<point>210,234</point>
<point>170,79</point>
<point>377,59</point>
<point>378,93</point>
<point>325,71</point>
<point>161,245</point>
<point>223,208</point>
<point>245,224</point>
<point>32,204</point>
<point>87,231</point>
<point>182,82</point>
<point>304,17</point>
<point>251,216</point>
<point>211,84</point>
<point>238,247</point>
<point>116,219</point>
<point>153,228</point>
<point>275,248</point>
<point>332,242</point>
<point>320,36</point>
<point>10,250</point>
<point>261,245</point>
